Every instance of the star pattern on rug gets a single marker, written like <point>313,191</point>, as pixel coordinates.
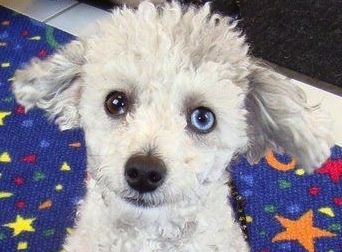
<point>333,168</point>
<point>21,225</point>
<point>41,168</point>
<point>301,230</point>
<point>2,117</point>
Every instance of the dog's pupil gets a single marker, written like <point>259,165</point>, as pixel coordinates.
<point>202,117</point>
<point>119,102</point>
<point>119,105</point>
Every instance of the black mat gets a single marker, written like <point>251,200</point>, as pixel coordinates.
<point>102,4</point>
<point>305,36</point>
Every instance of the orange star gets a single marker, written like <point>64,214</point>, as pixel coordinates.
<point>301,230</point>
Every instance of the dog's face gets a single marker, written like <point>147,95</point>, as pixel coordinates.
<point>156,121</point>
<point>166,98</point>
<point>157,130</point>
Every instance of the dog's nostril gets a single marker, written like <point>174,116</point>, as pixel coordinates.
<point>155,177</point>
<point>133,173</point>
<point>144,173</point>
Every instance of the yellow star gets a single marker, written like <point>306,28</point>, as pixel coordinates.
<point>20,225</point>
<point>65,167</point>
<point>59,187</point>
<point>22,245</point>
<point>301,230</point>
<point>2,116</point>
<point>5,158</point>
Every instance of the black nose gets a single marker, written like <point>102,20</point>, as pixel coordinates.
<point>144,173</point>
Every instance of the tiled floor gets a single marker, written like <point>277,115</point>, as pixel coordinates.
<point>41,10</point>
<point>78,18</point>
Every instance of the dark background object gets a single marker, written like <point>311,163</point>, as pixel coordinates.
<point>102,4</point>
<point>305,36</point>
<point>224,7</point>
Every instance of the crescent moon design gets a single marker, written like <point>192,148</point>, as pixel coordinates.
<point>275,164</point>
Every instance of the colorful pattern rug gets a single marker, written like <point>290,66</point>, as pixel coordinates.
<point>42,171</point>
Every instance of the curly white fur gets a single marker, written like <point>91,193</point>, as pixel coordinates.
<point>169,60</point>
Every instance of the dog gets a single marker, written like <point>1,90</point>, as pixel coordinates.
<point>167,97</point>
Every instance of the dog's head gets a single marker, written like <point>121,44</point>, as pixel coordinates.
<point>166,98</point>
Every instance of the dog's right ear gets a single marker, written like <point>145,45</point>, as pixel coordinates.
<point>280,118</point>
<point>53,84</point>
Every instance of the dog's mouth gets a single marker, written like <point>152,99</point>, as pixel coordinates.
<point>141,202</point>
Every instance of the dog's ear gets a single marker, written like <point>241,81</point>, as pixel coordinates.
<point>53,84</point>
<point>280,118</point>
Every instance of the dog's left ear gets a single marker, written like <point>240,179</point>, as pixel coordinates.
<point>280,118</point>
<point>53,84</point>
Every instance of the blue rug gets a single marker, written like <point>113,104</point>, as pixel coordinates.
<point>42,171</point>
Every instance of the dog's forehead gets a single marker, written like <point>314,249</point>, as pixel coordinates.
<point>163,43</point>
<point>209,81</point>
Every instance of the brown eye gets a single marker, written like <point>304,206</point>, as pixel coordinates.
<point>116,103</point>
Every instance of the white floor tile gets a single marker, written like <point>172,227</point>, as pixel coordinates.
<point>79,20</point>
<point>38,9</point>
<point>331,103</point>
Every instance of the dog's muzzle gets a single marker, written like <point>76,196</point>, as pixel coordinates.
<point>145,173</point>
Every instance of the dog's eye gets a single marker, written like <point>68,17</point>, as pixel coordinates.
<point>202,120</point>
<point>116,103</point>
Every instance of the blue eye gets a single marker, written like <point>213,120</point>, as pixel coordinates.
<point>202,120</point>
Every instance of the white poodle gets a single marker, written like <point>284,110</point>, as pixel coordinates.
<point>167,97</point>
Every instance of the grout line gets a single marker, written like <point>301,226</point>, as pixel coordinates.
<point>60,13</point>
